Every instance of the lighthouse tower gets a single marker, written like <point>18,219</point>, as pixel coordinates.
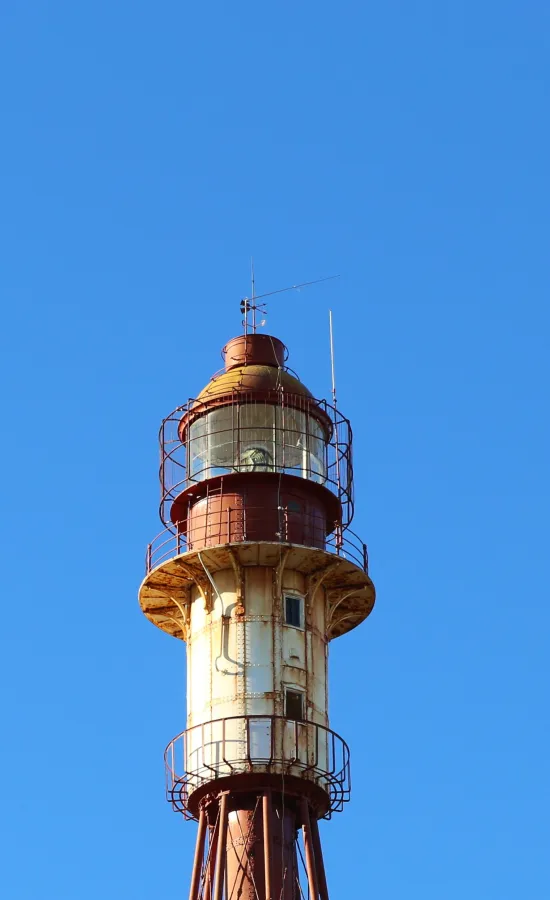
<point>257,570</point>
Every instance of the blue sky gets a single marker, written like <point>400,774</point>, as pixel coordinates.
<point>148,150</point>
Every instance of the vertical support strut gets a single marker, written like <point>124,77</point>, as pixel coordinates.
<point>211,862</point>
<point>321,874</point>
<point>220,849</point>
<point>268,844</point>
<point>310,852</point>
<point>199,853</point>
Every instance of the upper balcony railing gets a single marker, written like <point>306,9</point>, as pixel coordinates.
<point>252,524</point>
<point>289,433</point>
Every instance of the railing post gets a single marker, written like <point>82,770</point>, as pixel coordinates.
<point>247,739</point>
<point>149,558</point>
<point>365,559</point>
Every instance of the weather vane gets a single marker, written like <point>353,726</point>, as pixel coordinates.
<point>250,306</point>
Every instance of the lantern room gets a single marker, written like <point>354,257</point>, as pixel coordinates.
<point>255,457</point>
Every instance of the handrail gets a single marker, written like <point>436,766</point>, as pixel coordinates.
<point>217,529</point>
<point>231,746</point>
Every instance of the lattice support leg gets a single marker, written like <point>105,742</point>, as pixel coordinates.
<point>321,874</point>
<point>219,873</point>
<point>199,854</point>
<point>311,868</point>
<point>210,862</point>
<point>268,844</point>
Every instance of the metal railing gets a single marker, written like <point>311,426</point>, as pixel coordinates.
<point>253,744</point>
<point>249,524</point>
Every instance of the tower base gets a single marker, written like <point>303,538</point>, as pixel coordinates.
<point>248,848</point>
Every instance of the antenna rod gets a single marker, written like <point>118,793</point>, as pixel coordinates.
<point>253,295</point>
<point>339,537</point>
<point>295,287</point>
<point>251,305</point>
<point>332,358</point>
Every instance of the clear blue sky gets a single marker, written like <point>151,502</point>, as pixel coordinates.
<point>148,149</point>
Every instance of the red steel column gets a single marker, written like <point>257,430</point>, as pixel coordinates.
<point>310,853</point>
<point>199,853</point>
<point>245,851</point>
<point>211,862</point>
<point>220,850</point>
<point>260,848</point>
<point>321,874</point>
<point>268,844</point>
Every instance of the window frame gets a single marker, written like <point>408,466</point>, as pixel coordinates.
<point>294,595</point>
<point>298,692</point>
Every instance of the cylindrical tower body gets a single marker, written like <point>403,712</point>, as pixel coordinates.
<point>257,571</point>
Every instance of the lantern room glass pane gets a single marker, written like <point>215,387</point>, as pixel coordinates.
<point>257,444</point>
<point>317,450</point>
<point>256,437</point>
<point>198,449</point>
<point>221,429</point>
<point>293,441</point>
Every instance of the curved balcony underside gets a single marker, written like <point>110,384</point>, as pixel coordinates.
<point>165,593</point>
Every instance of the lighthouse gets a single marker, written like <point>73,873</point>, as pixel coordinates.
<point>257,571</point>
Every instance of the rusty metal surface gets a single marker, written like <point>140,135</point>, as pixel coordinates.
<point>257,745</point>
<point>256,378</point>
<point>256,507</point>
<point>289,786</point>
<point>242,654</point>
<point>254,349</point>
<point>253,851</point>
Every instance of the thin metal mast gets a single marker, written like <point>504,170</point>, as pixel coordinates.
<point>339,537</point>
<point>253,295</point>
<point>332,358</point>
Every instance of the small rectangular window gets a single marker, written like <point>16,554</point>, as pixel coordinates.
<point>293,610</point>
<point>294,705</point>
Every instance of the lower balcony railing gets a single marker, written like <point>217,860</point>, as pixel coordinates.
<point>254,524</point>
<point>257,744</point>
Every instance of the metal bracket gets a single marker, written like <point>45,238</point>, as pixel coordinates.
<point>278,572</point>
<point>239,582</point>
<point>200,580</point>
<point>339,595</point>
<point>185,615</point>
<point>315,580</point>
